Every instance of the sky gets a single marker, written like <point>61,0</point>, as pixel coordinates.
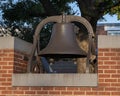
<point>110,19</point>
<point>107,18</point>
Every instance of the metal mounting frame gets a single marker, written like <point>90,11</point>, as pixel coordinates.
<point>59,19</point>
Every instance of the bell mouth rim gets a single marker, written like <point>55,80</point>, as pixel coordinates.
<point>63,55</point>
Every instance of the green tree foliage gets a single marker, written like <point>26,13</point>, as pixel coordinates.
<point>31,12</point>
<point>28,13</point>
<point>93,10</point>
<point>115,10</point>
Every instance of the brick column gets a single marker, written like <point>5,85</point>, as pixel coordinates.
<point>12,59</point>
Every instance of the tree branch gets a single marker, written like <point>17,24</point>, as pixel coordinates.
<point>49,8</point>
<point>103,7</point>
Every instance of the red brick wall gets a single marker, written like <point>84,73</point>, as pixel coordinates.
<point>101,31</point>
<point>20,62</point>
<point>108,76</point>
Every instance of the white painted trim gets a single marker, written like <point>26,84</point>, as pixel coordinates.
<point>22,45</point>
<point>105,41</point>
<point>6,42</point>
<point>30,79</point>
<point>15,44</point>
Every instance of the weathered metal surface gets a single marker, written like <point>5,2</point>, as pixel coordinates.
<point>63,42</point>
<point>61,19</point>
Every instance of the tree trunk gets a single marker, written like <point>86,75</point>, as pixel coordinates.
<point>91,14</point>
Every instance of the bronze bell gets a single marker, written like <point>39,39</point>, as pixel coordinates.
<point>63,42</point>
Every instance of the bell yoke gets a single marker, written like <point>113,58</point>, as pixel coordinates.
<point>63,39</point>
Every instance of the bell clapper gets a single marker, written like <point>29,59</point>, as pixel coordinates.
<point>51,60</point>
